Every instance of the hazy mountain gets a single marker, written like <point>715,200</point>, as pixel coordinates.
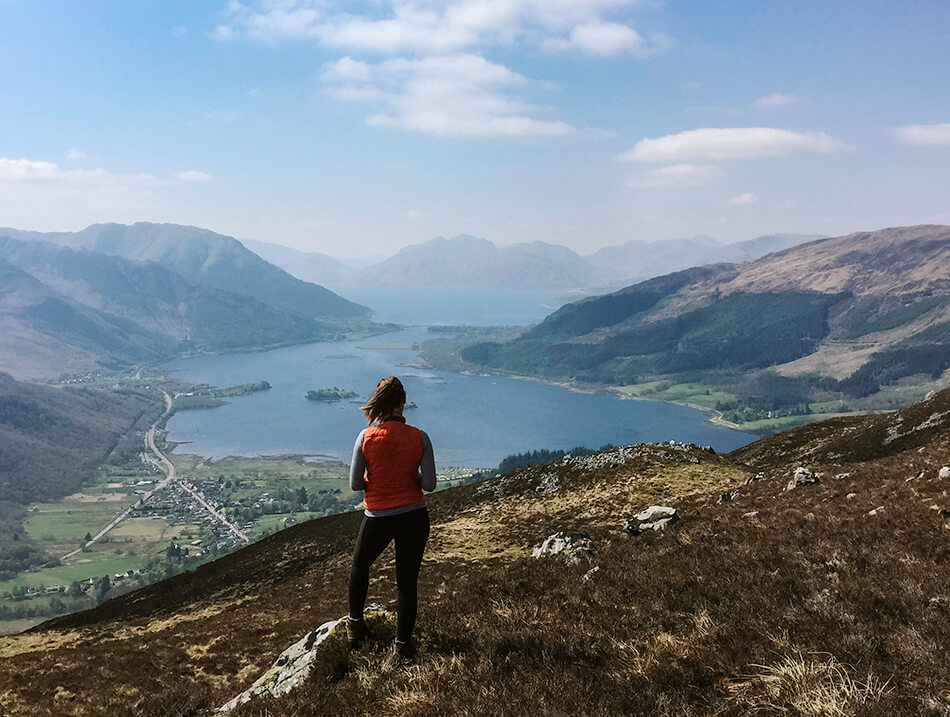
<point>309,266</point>
<point>638,260</point>
<point>872,304</point>
<point>46,333</point>
<point>67,310</point>
<point>467,261</point>
<point>759,600</point>
<point>208,259</point>
<point>470,261</point>
<point>753,249</point>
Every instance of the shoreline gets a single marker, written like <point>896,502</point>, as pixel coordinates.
<point>712,415</point>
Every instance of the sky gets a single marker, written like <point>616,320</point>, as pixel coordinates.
<point>356,128</point>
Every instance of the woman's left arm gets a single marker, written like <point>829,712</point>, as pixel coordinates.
<point>427,465</point>
<point>358,465</point>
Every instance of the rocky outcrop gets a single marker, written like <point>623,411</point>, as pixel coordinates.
<point>292,666</point>
<point>801,477</point>
<point>573,547</point>
<point>656,517</point>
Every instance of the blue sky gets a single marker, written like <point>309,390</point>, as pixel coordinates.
<point>355,128</point>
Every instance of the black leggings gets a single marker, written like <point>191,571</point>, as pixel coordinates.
<point>410,531</point>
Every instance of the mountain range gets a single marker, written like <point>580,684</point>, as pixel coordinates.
<point>852,313</point>
<point>110,296</point>
<point>806,574</point>
<point>205,258</point>
<point>475,262</point>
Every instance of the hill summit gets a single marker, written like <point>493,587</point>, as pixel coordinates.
<point>807,574</point>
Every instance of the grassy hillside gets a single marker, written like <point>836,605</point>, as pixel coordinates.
<point>830,598</point>
<point>844,318</point>
<point>51,440</point>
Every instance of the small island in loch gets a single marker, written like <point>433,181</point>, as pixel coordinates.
<point>329,395</point>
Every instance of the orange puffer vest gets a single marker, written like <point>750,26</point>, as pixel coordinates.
<point>393,451</point>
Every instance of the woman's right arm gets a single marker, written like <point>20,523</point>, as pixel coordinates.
<point>358,465</point>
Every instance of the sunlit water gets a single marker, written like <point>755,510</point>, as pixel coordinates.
<point>474,421</point>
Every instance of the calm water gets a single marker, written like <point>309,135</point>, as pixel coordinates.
<point>473,421</point>
<point>440,307</point>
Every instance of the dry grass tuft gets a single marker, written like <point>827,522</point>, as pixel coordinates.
<point>809,686</point>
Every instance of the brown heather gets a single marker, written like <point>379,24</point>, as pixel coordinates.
<point>809,606</point>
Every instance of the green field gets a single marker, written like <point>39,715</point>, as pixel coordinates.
<point>66,523</point>
<point>696,393</point>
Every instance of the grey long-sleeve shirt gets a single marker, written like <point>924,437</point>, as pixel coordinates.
<point>427,477</point>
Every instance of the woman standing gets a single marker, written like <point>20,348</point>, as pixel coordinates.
<point>392,463</point>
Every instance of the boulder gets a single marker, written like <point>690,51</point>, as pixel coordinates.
<point>292,666</point>
<point>753,479</point>
<point>573,547</point>
<point>802,476</point>
<point>656,517</point>
<point>944,473</point>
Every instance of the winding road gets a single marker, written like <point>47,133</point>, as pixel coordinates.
<point>165,465</point>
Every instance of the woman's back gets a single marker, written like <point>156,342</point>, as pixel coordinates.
<point>393,451</point>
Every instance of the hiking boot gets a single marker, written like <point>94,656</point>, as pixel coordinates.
<point>355,631</point>
<point>404,650</point>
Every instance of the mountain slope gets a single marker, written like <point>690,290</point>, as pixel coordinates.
<point>867,309</point>
<point>51,439</point>
<point>112,309</point>
<point>310,266</point>
<point>466,261</point>
<point>638,259</point>
<point>47,334</point>
<point>208,259</point>
<point>833,594</point>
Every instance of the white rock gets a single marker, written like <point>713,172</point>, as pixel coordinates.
<point>548,484</point>
<point>290,669</point>
<point>656,517</point>
<point>292,666</point>
<point>802,476</point>
<point>876,511</point>
<point>944,473</point>
<point>590,573</point>
<point>574,547</point>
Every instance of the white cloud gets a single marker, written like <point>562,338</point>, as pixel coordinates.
<point>924,134</point>
<point>346,69</point>
<point>76,155</point>
<point>25,170</point>
<point>445,26</point>
<point>413,215</point>
<point>193,175</point>
<point>180,30</point>
<point>223,32</point>
<point>451,95</point>
<point>730,143</point>
<point>35,192</point>
<point>677,175</point>
<point>608,38</point>
<point>744,198</point>
<point>777,99</point>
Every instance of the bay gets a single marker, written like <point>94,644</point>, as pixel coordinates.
<point>474,421</point>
